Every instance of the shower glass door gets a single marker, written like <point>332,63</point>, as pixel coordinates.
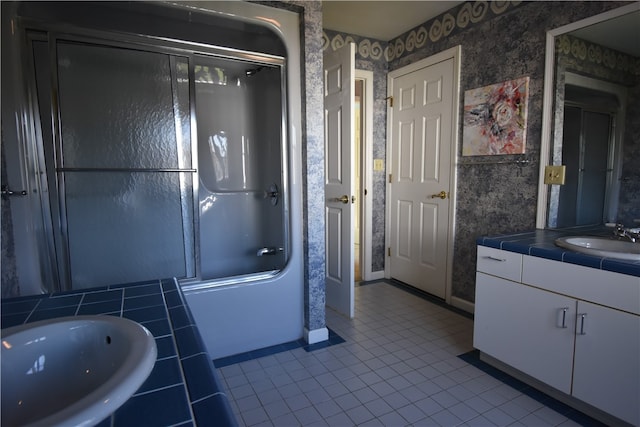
<point>123,164</point>
<point>131,189</point>
<point>242,172</point>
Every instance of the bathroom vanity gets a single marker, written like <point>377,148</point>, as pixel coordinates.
<point>565,322</point>
<point>183,387</point>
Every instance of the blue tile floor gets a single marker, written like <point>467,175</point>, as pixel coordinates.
<point>403,360</point>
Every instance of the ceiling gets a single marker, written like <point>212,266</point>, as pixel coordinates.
<point>622,33</point>
<point>381,20</point>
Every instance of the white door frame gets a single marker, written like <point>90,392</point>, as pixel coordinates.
<point>366,204</point>
<point>455,53</point>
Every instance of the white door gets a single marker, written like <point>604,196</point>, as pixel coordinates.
<point>339,72</point>
<point>422,130</point>
<point>606,366</point>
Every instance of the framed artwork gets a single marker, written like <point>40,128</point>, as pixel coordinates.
<point>495,119</point>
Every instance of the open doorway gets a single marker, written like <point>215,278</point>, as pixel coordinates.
<point>363,166</point>
<point>357,140</point>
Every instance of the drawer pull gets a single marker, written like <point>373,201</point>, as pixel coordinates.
<point>495,258</point>
<point>582,317</point>
<point>562,314</point>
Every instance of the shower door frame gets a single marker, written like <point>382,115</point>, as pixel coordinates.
<point>34,168</point>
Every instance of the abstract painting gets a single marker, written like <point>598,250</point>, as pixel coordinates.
<point>495,119</point>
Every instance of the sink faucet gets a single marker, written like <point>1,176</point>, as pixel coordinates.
<point>632,235</point>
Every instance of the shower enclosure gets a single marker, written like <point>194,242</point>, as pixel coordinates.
<point>161,161</point>
<point>158,145</point>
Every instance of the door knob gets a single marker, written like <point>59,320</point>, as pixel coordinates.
<point>442,195</point>
<point>345,199</point>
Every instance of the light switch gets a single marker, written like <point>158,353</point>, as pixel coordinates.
<point>378,165</point>
<point>554,174</point>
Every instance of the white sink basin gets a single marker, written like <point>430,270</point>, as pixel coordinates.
<point>72,371</point>
<point>601,246</point>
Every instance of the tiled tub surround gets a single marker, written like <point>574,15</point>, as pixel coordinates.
<point>183,389</point>
<point>540,243</point>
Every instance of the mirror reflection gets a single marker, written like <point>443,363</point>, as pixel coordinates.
<point>595,124</point>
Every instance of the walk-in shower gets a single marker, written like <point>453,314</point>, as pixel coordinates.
<point>162,143</point>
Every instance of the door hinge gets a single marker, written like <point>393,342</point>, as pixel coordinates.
<point>390,178</point>
<point>390,99</point>
<point>389,251</point>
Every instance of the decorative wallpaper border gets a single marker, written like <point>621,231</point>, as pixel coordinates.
<point>584,50</point>
<point>365,48</point>
<point>467,14</point>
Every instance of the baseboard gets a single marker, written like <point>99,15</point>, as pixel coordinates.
<point>463,304</point>
<point>375,275</point>
<point>316,336</point>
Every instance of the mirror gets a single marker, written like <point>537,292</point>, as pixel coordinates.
<point>590,111</point>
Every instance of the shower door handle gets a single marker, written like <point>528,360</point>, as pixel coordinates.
<point>6,192</point>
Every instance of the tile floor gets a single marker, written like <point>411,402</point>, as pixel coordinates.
<point>398,366</point>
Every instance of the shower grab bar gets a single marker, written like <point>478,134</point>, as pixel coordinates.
<point>269,251</point>
<point>124,170</point>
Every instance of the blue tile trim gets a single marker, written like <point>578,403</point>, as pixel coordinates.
<point>179,317</point>
<point>146,314</point>
<point>166,347</point>
<point>473,358</point>
<point>104,307</point>
<point>61,301</point>
<point>19,305</point>
<point>92,297</point>
<point>160,408</point>
<point>183,385</point>
<point>158,328</point>
<point>216,408</point>
<point>143,301</point>
<point>540,243</point>
<point>188,340</point>
<point>136,291</point>
<point>200,385</point>
<point>165,373</point>
<point>9,320</point>
<point>51,314</point>
<point>334,339</point>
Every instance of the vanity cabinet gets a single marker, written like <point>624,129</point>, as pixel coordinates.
<point>574,328</point>
<point>606,366</point>
<point>517,325</point>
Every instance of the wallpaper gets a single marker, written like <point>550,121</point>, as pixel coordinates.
<point>501,40</point>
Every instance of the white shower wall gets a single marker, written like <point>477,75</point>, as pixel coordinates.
<point>244,315</point>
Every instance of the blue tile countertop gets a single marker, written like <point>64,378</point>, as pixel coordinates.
<point>540,243</point>
<point>183,388</point>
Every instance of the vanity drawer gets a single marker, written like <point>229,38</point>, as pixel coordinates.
<point>497,262</point>
<point>615,290</point>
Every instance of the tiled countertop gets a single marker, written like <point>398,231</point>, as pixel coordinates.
<point>183,389</point>
<point>540,243</point>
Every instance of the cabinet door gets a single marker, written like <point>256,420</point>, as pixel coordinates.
<point>523,327</point>
<point>607,361</point>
